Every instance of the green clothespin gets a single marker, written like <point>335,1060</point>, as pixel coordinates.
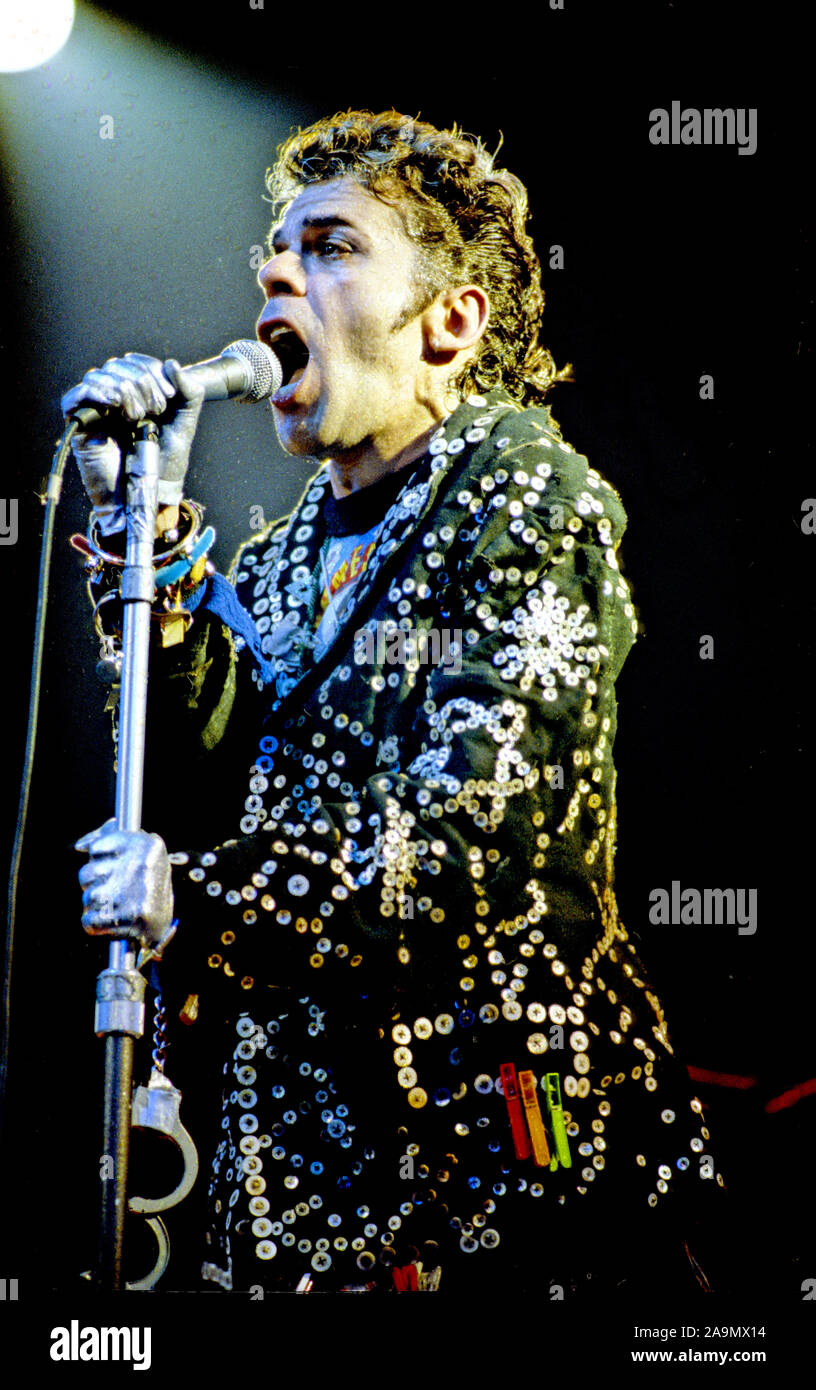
<point>559,1133</point>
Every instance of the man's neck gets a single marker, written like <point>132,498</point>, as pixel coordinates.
<point>356,470</point>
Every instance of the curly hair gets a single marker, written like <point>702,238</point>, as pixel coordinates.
<point>467,218</point>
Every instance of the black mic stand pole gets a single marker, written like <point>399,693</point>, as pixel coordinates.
<point>119,1015</point>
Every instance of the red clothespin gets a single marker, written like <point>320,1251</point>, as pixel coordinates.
<point>521,1137</point>
<point>405,1279</point>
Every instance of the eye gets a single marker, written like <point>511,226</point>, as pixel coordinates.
<point>331,247</point>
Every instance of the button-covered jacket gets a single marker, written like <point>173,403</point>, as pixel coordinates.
<point>416,891</point>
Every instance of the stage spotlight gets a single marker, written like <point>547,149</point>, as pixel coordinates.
<point>32,31</point>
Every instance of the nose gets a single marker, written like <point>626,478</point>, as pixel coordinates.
<point>282,274</point>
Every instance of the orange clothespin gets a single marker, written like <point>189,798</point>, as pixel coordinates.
<point>535,1124</point>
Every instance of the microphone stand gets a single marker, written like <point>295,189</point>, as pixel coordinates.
<point>119,1014</point>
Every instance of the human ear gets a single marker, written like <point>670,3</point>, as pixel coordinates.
<point>456,320</point>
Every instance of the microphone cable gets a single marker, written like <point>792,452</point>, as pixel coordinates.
<point>50,499</point>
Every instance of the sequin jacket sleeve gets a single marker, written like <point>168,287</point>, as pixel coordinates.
<point>416,799</point>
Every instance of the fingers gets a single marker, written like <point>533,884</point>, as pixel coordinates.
<point>112,846</point>
<point>184,382</point>
<point>91,874</point>
<point>86,841</point>
<point>135,384</point>
<point>126,884</point>
<point>104,919</point>
<point>97,387</point>
<point>102,910</point>
<point>101,915</point>
<point>99,911</point>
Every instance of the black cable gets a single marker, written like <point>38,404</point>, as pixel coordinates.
<point>50,500</point>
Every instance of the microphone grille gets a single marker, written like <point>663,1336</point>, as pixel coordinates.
<point>266,370</point>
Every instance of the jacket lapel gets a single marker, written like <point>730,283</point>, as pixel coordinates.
<point>305,534</point>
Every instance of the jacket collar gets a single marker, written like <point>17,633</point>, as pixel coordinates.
<point>459,435</point>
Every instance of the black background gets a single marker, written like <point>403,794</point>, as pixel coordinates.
<point>678,262</point>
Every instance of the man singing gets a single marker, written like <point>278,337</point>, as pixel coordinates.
<point>443,1064</point>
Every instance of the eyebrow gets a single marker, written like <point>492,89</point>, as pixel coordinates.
<point>309,223</point>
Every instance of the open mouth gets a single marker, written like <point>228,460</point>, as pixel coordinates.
<point>291,351</point>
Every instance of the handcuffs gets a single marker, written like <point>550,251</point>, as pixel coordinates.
<point>178,572</point>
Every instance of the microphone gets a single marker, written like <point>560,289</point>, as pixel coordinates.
<point>244,371</point>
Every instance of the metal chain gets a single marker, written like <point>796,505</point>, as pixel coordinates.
<point>159,1033</point>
